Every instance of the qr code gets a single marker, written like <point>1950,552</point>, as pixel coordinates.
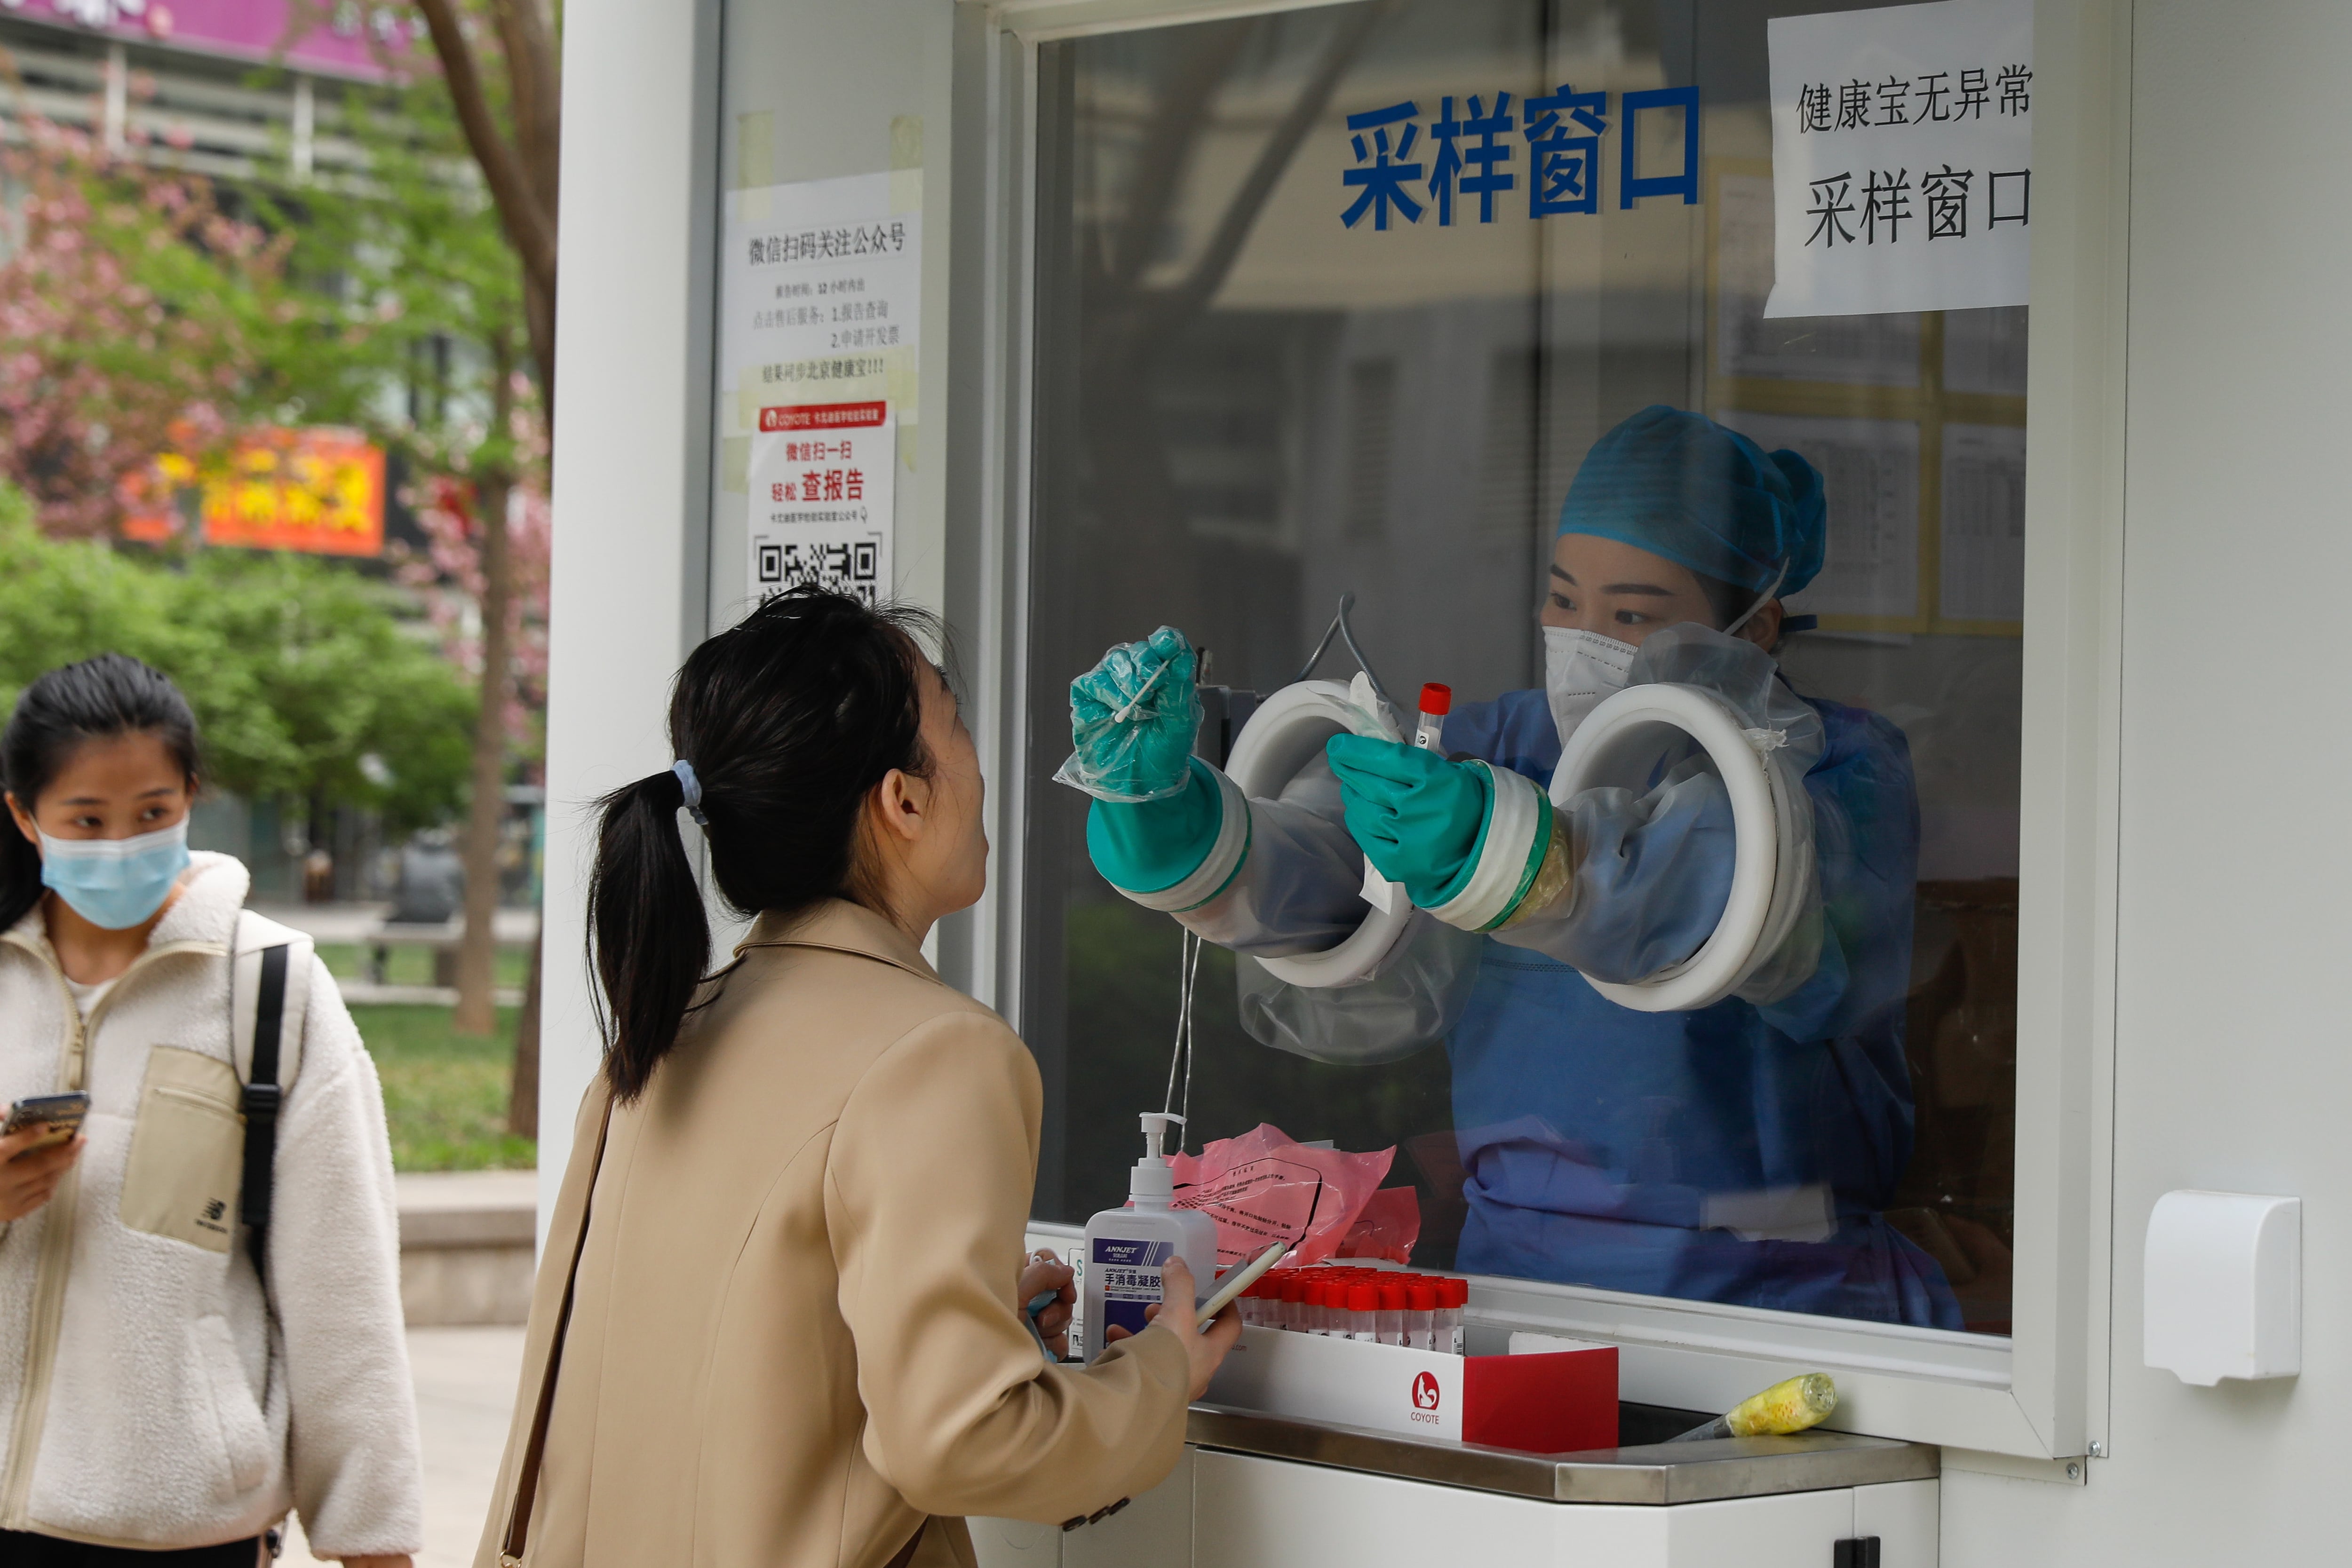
<point>853,567</point>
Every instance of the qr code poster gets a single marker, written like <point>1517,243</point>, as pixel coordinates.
<point>845,566</point>
<point>820,504</point>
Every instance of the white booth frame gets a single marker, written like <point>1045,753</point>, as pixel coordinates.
<point>2028,1403</point>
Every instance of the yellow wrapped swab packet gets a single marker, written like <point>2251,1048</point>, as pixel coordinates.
<point>1787,1406</point>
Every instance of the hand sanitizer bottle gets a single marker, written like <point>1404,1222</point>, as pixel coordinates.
<point>1125,1247</point>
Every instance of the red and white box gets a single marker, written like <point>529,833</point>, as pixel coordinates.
<point>1553,1402</point>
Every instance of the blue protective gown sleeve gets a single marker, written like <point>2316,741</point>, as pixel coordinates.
<point>1653,873</point>
<point>1866,851</point>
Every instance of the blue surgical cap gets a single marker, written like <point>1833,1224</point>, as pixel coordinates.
<point>1680,485</point>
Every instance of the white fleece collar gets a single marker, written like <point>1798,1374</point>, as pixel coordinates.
<point>206,909</point>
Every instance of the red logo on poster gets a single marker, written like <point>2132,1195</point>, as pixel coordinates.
<point>823,416</point>
<point>1424,1391</point>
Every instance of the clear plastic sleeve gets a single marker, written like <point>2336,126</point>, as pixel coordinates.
<point>1411,1005</point>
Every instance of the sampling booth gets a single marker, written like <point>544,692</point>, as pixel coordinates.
<point>1995,1089</point>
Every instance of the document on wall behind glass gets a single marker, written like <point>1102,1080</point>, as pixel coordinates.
<point>1901,158</point>
<point>1983,569</point>
<point>819,304</point>
<point>1878,350</point>
<point>1870,477</point>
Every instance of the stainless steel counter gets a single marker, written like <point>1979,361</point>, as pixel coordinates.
<point>1651,1472</point>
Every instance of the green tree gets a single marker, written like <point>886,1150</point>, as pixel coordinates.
<point>444,302</point>
<point>306,680</point>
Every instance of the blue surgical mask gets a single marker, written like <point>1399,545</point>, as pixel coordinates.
<point>116,883</point>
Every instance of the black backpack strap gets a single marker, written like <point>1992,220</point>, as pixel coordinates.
<point>261,1101</point>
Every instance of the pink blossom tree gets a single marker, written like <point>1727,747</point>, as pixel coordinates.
<point>134,313</point>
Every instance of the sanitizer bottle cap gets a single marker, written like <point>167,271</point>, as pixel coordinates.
<point>1152,1182</point>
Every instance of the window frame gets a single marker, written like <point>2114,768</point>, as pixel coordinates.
<point>2042,1395</point>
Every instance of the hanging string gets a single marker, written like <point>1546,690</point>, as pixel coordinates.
<point>1191,979</point>
<point>1188,970</point>
<point>1340,628</point>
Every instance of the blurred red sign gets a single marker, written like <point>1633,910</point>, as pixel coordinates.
<point>319,491</point>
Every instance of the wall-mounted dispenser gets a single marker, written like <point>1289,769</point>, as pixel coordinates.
<point>2224,1286</point>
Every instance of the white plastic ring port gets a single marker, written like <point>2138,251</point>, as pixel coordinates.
<point>1281,739</point>
<point>1614,733</point>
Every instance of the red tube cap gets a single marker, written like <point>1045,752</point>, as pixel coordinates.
<point>1392,1297</point>
<point>1457,1292</point>
<point>1437,699</point>
<point>1421,1298</point>
<point>1363,1298</point>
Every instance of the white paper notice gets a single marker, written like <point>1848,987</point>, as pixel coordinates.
<point>821,487</point>
<point>1901,158</point>
<point>820,295</point>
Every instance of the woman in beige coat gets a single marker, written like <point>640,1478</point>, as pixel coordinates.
<point>778,1323</point>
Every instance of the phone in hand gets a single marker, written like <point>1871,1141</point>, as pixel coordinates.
<point>60,1114</point>
<point>1237,1278</point>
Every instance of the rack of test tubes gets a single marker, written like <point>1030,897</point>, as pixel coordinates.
<point>1380,1306</point>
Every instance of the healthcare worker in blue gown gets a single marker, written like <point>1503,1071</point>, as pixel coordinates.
<point>1738,1153</point>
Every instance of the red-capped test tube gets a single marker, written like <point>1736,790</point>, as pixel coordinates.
<point>1454,1295</point>
<point>1363,1311</point>
<point>1437,702</point>
<point>1421,1315</point>
<point>1392,1309</point>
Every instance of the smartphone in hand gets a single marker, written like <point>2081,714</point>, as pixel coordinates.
<point>61,1114</point>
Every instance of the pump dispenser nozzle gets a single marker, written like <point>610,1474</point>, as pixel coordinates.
<point>1152,1184</point>
<point>1155,1131</point>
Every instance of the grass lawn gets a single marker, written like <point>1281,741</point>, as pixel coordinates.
<point>445,1093</point>
<point>414,965</point>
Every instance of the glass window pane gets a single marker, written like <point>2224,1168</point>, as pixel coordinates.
<point>1250,406</point>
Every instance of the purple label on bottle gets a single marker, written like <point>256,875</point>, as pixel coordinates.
<point>1132,1254</point>
<point>1128,1273</point>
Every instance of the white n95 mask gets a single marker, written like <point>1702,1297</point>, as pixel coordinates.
<point>1580,669</point>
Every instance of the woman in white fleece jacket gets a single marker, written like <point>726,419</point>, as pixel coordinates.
<point>159,1403</point>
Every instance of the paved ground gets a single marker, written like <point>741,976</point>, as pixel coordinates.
<point>465,1387</point>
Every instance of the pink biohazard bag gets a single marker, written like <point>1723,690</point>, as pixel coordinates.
<point>1389,1226</point>
<point>1262,1187</point>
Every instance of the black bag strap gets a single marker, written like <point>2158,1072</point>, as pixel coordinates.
<point>260,1102</point>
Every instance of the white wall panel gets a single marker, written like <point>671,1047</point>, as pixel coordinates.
<point>633,335</point>
<point>2231,1067</point>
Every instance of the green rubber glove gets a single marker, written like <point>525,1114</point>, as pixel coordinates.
<point>1146,846</point>
<point>1419,819</point>
<point>1133,718</point>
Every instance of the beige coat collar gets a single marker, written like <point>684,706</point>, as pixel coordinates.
<point>844,928</point>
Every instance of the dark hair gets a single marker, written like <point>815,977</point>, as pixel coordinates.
<point>788,720</point>
<point>110,695</point>
<point>1728,601</point>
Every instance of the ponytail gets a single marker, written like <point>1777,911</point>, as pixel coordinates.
<point>784,724</point>
<point>651,939</point>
